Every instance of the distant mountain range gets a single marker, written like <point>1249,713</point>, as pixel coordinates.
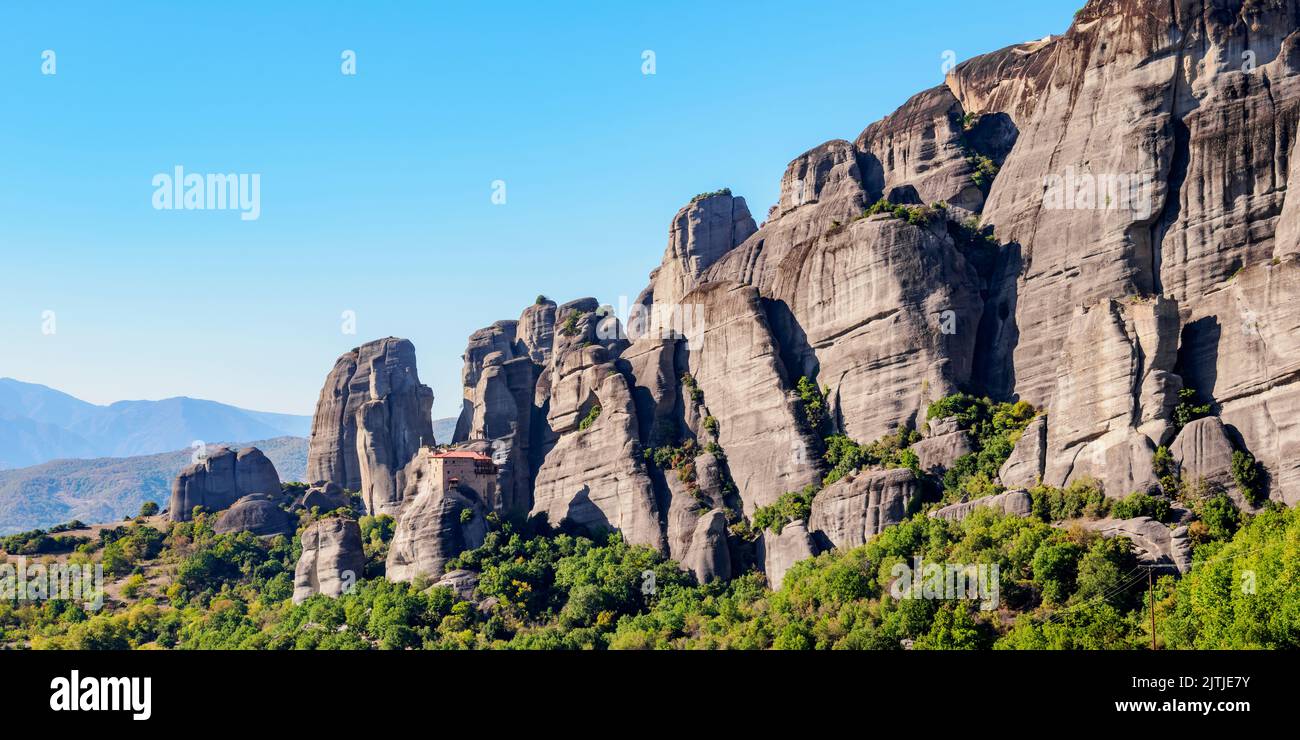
<point>39,424</point>
<point>63,458</point>
<point>108,489</point>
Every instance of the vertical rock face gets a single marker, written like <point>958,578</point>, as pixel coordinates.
<point>856,508</point>
<point>372,416</point>
<point>779,552</point>
<point>434,526</point>
<point>1025,466</point>
<point>595,476</point>
<point>1114,395</point>
<point>1241,348</point>
<point>701,233</point>
<point>884,314</point>
<point>536,331</point>
<point>332,559</point>
<point>736,364</point>
<point>917,154</point>
<point>1160,94</point>
<point>220,480</point>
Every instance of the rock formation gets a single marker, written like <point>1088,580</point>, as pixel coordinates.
<point>1114,395</point>
<point>736,365</point>
<point>1017,503</point>
<point>324,498</point>
<point>858,507</point>
<point>436,523</point>
<point>258,513</point>
<point>779,552</point>
<point>332,559</point>
<point>1154,543</point>
<point>595,477</point>
<point>220,479</point>
<point>943,444</point>
<point>1092,223</point>
<point>372,417</point>
<point>1028,460</point>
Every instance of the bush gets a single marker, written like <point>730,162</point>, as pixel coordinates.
<point>592,414</point>
<point>1219,516</point>
<point>149,508</point>
<point>787,508</point>
<point>1246,473</point>
<point>1189,408</point>
<point>814,403</point>
<point>1140,504</point>
<point>1082,498</point>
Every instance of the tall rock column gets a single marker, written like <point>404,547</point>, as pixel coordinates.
<point>372,416</point>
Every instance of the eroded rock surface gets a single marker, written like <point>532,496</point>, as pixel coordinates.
<point>858,507</point>
<point>221,479</point>
<point>779,552</point>
<point>1154,543</point>
<point>332,559</point>
<point>1016,503</point>
<point>372,417</point>
<point>258,513</point>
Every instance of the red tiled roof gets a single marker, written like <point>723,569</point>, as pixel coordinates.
<point>464,455</point>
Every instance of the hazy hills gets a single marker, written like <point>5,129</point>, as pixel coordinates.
<point>39,424</point>
<point>108,488</point>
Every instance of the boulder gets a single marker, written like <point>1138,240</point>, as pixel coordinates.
<point>332,559</point>
<point>1025,466</point>
<point>259,513</point>
<point>1154,543</point>
<point>859,506</point>
<point>779,552</point>
<point>1016,503</point>
<point>708,556</point>
<point>945,443</point>
<point>462,582</point>
<point>325,497</point>
<point>1203,452</point>
<point>220,479</point>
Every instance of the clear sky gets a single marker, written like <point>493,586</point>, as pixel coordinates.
<point>376,188</point>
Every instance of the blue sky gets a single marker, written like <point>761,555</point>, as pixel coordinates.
<point>376,188</point>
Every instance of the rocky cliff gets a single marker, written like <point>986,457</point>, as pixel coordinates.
<point>1095,224</point>
<point>372,417</point>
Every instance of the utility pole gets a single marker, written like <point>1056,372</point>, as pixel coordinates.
<point>1151,599</point>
